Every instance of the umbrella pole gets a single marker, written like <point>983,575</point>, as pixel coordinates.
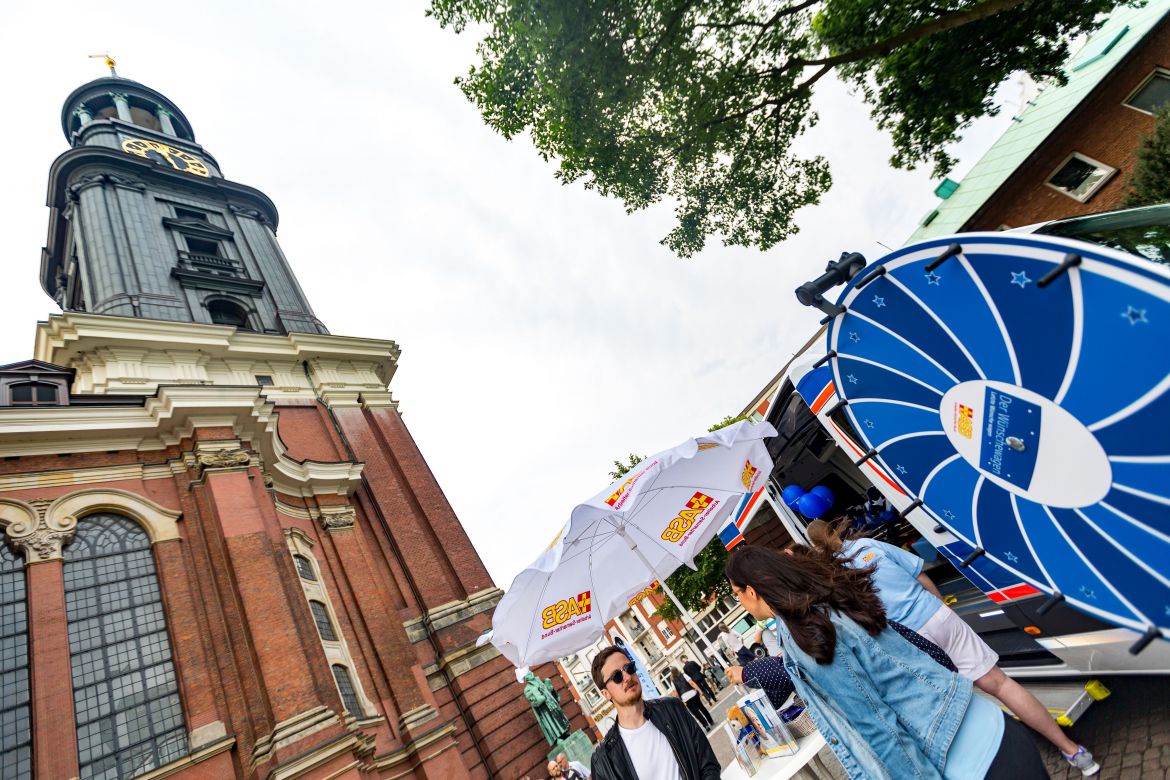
<point>686,616</point>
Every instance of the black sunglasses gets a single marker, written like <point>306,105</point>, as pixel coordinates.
<point>620,673</point>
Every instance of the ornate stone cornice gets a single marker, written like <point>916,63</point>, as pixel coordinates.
<point>38,535</point>
<point>88,180</point>
<point>223,459</point>
<point>339,518</point>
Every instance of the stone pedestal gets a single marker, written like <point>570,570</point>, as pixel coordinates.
<point>576,746</point>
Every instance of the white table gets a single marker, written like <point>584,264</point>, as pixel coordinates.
<point>785,767</point>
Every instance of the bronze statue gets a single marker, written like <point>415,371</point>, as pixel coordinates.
<point>547,708</point>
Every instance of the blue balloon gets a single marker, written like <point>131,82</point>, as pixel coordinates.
<point>887,515</point>
<point>792,495</point>
<point>812,505</point>
<point>824,493</point>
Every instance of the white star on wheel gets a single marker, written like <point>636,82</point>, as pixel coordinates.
<point>949,515</point>
<point>852,379</point>
<point>1134,315</point>
<point>854,337</point>
<point>1011,556</point>
<point>933,278</point>
<point>879,301</point>
<point>900,469</point>
<point>868,423</point>
<point>1088,593</point>
<point>1021,278</point>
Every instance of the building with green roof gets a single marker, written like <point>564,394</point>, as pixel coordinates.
<point>1071,150</point>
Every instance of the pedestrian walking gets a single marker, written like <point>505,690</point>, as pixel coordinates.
<point>689,693</point>
<point>652,740</point>
<point>912,598</point>
<point>695,672</point>
<point>886,710</point>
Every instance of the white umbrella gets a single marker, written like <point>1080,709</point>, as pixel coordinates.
<point>640,528</point>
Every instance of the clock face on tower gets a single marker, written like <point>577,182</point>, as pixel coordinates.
<point>165,154</point>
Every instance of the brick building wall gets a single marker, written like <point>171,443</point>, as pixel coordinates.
<point>406,589</point>
<point>1101,128</point>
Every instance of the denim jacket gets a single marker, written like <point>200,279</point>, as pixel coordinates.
<point>888,711</point>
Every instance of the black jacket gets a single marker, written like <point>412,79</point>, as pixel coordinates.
<point>695,757</point>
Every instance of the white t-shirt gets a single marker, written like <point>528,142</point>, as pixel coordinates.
<point>733,641</point>
<point>650,753</point>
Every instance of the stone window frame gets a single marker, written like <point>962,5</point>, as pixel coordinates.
<point>38,529</point>
<point>336,652</point>
<point>60,383</point>
<point>251,313</point>
<point>1154,74</point>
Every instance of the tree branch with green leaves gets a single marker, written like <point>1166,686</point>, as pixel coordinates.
<point>699,102</point>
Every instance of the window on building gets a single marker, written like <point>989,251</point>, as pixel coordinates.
<point>15,734</point>
<point>182,213</point>
<point>324,624</point>
<point>263,380</point>
<point>129,717</point>
<point>203,246</point>
<point>33,394</point>
<point>345,687</point>
<point>1080,177</point>
<point>228,313</point>
<point>305,568</point>
<point>1153,93</point>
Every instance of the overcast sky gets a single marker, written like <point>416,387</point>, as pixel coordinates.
<point>544,331</point>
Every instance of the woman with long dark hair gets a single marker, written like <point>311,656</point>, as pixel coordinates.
<point>688,691</point>
<point>887,710</point>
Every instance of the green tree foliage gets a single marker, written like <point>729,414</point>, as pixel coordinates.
<point>1151,175</point>
<point>621,469</point>
<point>728,420</point>
<point>696,589</point>
<point>699,101</point>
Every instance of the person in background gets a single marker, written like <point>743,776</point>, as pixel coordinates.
<point>652,740</point>
<point>558,772</point>
<point>565,764</point>
<point>688,692</point>
<point>911,598</point>
<point>887,711</point>
<point>692,670</point>
<point>734,644</point>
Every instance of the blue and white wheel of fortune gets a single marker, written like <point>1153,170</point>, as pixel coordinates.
<point>1032,421</point>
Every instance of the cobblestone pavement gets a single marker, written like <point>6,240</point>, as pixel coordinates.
<point>1129,732</point>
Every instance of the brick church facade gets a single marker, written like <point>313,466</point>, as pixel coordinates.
<point>225,555</point>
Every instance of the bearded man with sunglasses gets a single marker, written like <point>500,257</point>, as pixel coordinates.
<point>652,740</point>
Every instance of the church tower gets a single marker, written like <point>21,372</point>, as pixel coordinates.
<point>145,224</point>
<point>225,556</point>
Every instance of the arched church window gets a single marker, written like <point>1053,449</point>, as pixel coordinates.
<point>33,394</point>
<point>15,735</point>
<point>345,687</point>
<point>324,624</point>
<point>129,717</point>
<point>228,313</point>
<point>304,568</point>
